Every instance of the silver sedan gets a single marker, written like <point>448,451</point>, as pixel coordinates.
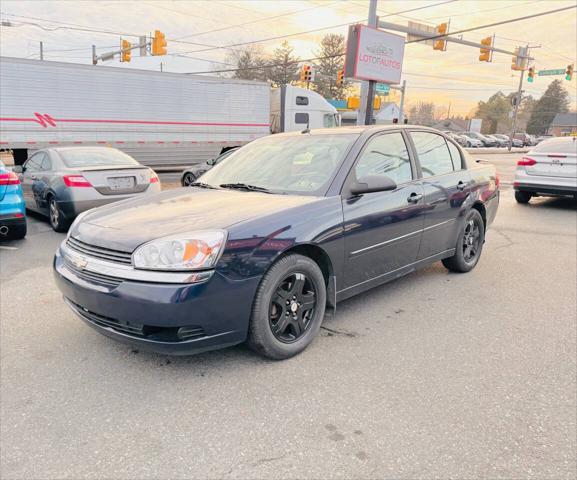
<point>66,181</point>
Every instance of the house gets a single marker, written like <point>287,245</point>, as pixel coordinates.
<point>563,124</point>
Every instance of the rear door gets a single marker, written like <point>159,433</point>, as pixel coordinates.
<point>446,184</point>
<point>382,229</point>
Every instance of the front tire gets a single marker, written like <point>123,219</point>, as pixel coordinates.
<point>288,309</point>
<point>57,220</point>
<point>469,244</point>
<point>522,197</point>
<point>188,179</point>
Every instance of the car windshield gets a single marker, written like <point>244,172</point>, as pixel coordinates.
<point>94,157</point>
<point>298,164</point>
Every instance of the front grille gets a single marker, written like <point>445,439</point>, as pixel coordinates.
<point>93,277</point>
<point>108,254</point>
<point>149,332</point>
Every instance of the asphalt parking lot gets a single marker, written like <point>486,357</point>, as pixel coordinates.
<point>435,375</point>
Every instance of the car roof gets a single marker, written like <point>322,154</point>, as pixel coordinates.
<point>358,130</point>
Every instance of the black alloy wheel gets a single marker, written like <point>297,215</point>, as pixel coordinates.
<point>188,179</point>
<point>471,241</point>
<point>288,308</point>
<point>469,244</point>
<point>57,220</point>
<point>292,307</point>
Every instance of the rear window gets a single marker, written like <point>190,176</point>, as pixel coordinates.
<point>95,157</point>
<point>557,145</point>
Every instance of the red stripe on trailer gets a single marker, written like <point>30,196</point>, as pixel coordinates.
<point>160,141</point>
<point>175,141</point>
<point>53,143</point>
<point>30,143</point>
<point>141,141</point>
<point>101,142</point>
<point>119,141</point>
<point>77,142</point>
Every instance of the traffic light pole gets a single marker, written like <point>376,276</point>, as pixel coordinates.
<point>365,114</point>
<point>517,102</point>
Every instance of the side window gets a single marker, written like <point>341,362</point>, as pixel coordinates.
<point>302,100</point>
<point>46,163</point>
<point>329,120</point>
<point>302,118</point>
<point>433,153</point>
<point>386,155</point>
<point>455,156</point>
<point>34,162</point>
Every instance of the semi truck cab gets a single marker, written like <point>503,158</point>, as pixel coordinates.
<point>294,108</point>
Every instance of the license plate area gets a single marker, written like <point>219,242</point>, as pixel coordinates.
<point>121,183</point>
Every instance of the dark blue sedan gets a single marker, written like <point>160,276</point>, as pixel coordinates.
<point>265,242</point>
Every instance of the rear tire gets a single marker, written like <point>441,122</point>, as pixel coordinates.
<point>288,308</point>
<point>522,197</point>
<point>56,217</point>
<point>18,232</point>
<point>469,244</point>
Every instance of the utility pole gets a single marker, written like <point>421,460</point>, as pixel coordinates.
<point>161,66</point>
<point>41,51</point>
<point>518,96</point>
<point>402,103</point>
<point>365,115</point>
<point>94,61</point>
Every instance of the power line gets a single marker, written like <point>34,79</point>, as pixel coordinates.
<point>504,22</point>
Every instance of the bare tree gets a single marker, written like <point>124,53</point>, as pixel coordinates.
<point>250,63</point>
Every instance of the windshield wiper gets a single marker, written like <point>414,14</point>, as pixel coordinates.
<point>202,185</point>
<point>245,186</point>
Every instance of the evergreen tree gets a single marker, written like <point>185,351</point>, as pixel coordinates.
<point>285,69</point>
<point>555,100</point>
<point>331,54</point>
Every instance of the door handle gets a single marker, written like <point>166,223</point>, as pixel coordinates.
<point>461,185</point>
<point>33,177</point>
<point>414,197</point>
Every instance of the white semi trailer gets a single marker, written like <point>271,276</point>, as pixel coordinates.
<point>162,119</point>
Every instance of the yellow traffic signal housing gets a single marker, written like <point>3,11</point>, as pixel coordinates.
<point>306,73</point>
<point>441,44</point>
<point>354,103</point>
<point>486,49</point>
<point>158,43</point>
<point>569,72</point>
<point>377,103</point>
<point>340,77</point>
<point>126,52</point>
<point>531,74</point>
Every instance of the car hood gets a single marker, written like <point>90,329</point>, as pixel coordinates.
<point>125,225</point>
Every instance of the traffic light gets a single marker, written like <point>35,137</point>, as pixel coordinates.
<point>531,74</point>
<point>519,60</point>
<point>158,43</point>
<point>569,72</point>
<point>486,49</point>
<point>126,52</point>
<point>340,77</point>
<point>441,44</point>
<point>306,73</point>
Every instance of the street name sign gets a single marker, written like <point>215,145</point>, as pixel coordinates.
<point>374,54</point>
<point>382,89</point>
<point>558,71</point>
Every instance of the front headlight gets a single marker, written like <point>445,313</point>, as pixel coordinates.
<point>76,221</point>
<point>188,251</point>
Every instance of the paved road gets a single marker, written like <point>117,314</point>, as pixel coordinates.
<point>435,375</point>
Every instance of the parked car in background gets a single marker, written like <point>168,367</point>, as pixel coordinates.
<point>540,138</point>
<point>286,227</point>
<point>549,169</point>
<point>501,142</point>
<point>66,181</point>
<point>481,139</point>
<point>12,207</point>
<point>527,140</point>
<point>460,139</point>
<point>190,175</point>
<point>516,142</point>
<point>470,142</point>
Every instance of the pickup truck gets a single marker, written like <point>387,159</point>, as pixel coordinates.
<point>263,243</point>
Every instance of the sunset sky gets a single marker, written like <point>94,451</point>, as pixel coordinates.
<point>195,30</point>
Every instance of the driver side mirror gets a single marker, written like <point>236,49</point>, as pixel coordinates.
<point>18,169</point>
<point>373,183</point>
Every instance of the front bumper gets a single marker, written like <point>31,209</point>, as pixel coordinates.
<point>178,319</point>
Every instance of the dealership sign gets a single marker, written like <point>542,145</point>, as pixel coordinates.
<point>374,54</point>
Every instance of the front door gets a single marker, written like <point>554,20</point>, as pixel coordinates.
<point>382,229</point>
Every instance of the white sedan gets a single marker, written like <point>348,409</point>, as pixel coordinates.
<point>550,169</point>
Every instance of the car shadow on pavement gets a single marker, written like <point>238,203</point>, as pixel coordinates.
<point>557,203</point>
